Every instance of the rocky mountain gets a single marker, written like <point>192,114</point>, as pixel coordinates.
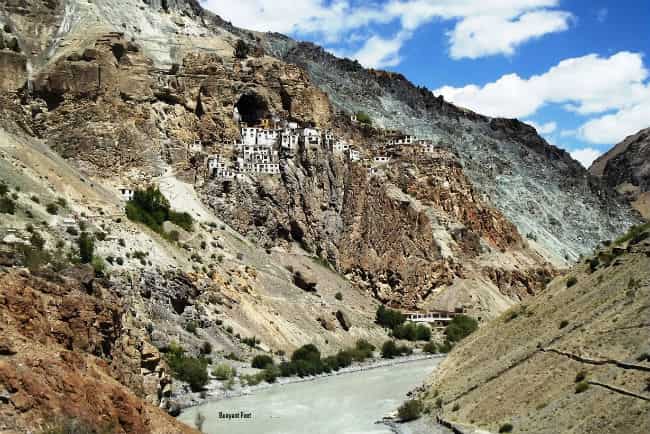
<point>99,99</point>
<point>626,167</point>
<point>572,359</point>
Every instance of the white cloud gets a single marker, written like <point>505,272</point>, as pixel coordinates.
<point>378,52</point>
<point>613,128</point>
<point>481,27</point>
<point>547,128</point>
<point>601,15</point>
<point>587,85</point>
<point>476,37</point>
<point>586,156</point>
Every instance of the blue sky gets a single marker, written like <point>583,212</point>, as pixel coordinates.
<point>577,70</point>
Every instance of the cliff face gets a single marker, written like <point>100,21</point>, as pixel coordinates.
<point>626,167</point>
<point>587,328</point>
<point>534,184</point>
<point>67,350</point>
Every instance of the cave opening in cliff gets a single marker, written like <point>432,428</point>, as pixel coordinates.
<point>252,108</point>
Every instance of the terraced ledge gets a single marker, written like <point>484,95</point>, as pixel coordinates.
<point>619,390</point>
<point>581,359</point>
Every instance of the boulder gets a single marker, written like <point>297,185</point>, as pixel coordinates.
<point>343,320</point>
<point>306,283</point>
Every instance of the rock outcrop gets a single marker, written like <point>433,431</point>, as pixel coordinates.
<point>626,167</point>
<point>68,350</point>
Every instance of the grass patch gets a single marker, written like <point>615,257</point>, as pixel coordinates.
<point>635,234</point>
<point>582,387</point>
<point>224,372</point>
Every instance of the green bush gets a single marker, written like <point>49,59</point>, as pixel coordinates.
<point>251,342</point>
<point>309,353</point>
<point>37,241</point>
<point>506,427</point>
<point>410,410</point>
<point>344,358</point>
<point>52,208</point>
<point>405,331</point>
<point>430,347</point>
<point>99,266</point>
<point>262,361</point>
<point>152,209</point>
<point>338,296</point>
<point>564,323</point>
<point>192,370</point>
<point>571,281</point>
<point>271,373</point>
<point>86,248</point>
<point>364,118</point>
<point>224,372</point>
<point>241,49</point>
<point>389,318</point>
<point>362,350</point>
<point>206,348</point>
<point>3,189</point>
<point>580,376</point>
<point>7,206</point>
<point>191,327</point>
<point>460,327</point>
<point>61,202</point>
<point>422,333</point>
<point>582,386</point>
<point>390,349</point>
<point>635,234</point>
<point>411,332</point>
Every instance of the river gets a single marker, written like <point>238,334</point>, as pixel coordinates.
<point>346,403</point>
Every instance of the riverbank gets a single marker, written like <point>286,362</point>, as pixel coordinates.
<point>216,391</point>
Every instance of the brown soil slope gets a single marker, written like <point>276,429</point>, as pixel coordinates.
<point>521,368</point>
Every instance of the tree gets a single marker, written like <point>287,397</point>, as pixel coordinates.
<point>389,350</point>
<point>86,248</point>
<point>241,49</point>
<point>307,353</point>
<point>460,327</point>
<point>262,361</point>
<point>389,318</point>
